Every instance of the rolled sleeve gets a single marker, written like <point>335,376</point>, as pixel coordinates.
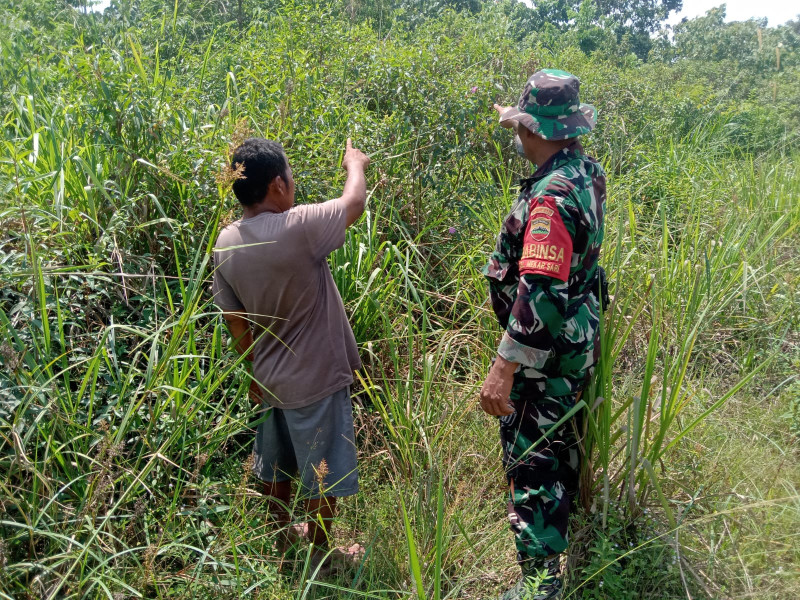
<point>511,350</point>
<point>325,226</point>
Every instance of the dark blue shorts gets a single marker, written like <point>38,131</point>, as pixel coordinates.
<point>315,444</point>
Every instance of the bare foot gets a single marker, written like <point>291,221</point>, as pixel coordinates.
<point>338,559</point>
<point>292,535</point>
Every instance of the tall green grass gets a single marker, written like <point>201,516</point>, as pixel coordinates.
<point>697,280</point>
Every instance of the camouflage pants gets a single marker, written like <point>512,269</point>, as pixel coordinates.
<point>543,477</point>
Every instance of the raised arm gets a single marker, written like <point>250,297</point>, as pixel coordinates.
<point>354,194</point>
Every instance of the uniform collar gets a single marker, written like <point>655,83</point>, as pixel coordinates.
<point>563,156</point>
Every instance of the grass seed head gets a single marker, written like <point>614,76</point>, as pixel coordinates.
<point>11,358</point>
<point>228,174</point>
<point>241,132</point>
<point>247,471</point>
<point>148,560</point>
<point>320,473</point>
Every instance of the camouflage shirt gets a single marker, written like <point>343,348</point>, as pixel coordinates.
<point>543,274</point>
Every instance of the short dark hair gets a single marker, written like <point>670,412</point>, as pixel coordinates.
<point>261,161</point>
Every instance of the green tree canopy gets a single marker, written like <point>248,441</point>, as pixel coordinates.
<point>630,21</point>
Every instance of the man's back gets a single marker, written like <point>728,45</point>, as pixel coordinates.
<point>273,267</point>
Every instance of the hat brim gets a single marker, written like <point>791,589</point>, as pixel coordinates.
<point>554,128</point>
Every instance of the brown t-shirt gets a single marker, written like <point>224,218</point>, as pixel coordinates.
<point>274,268</point>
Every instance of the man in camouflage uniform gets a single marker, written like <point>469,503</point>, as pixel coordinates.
<point>544,278</point>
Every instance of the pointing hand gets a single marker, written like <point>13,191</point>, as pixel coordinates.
<point>354,158</point>
<point>502,109</point>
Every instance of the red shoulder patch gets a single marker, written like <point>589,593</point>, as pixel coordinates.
<point>547,245</point>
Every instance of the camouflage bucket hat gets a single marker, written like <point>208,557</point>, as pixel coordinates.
<point>550,107</point>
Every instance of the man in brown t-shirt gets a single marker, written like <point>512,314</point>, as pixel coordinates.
<point>274,286</point>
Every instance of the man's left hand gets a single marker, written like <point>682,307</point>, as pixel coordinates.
<point>496,390</point>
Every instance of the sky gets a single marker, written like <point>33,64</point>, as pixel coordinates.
<point>101,5</point>
<point>776,11</point>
